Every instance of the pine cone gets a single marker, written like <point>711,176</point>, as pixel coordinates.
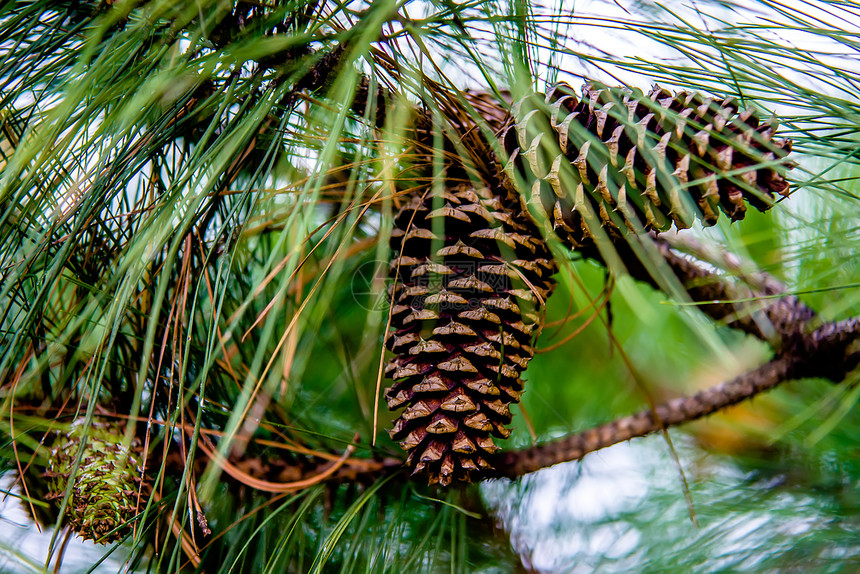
<point>471,274</point>
<point>623,161</point>
<point>105,488</point>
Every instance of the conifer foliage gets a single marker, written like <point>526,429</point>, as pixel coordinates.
<point>187,193</point>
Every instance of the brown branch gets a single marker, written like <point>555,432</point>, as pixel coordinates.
<point>756,312</point>
<point>829,352</point>
<point>674,412</point>
<point>755,303</point>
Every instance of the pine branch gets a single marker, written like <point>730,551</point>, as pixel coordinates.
<point>757,306</point>
<point>830,352</point>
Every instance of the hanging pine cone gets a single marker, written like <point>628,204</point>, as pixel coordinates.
<point>104,497</point>
<point>620,160</point>
<point>471,274</point>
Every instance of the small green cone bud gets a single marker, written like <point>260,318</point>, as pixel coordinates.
<point>104,497</point>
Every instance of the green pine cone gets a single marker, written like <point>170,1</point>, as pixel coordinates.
<point>104,498</point>
<point>623,160</point>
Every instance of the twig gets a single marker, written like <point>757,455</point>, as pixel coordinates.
<point>762,311</point>
<point>830,352</point>
<point>756,303</point>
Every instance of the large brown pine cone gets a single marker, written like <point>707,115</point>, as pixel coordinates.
<point>471,275</point>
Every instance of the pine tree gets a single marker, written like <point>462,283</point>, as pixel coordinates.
<point>193,358</point>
